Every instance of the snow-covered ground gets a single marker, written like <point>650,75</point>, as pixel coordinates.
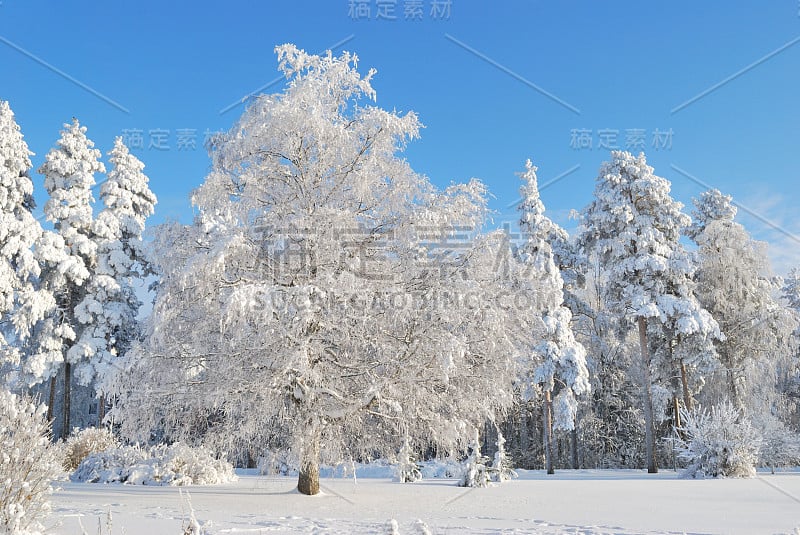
<point>588,502</point>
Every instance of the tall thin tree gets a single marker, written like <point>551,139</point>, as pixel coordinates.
<point>110,307</point>
<point>68,170</point>
<point>559,357</point>
<point>633,226</point>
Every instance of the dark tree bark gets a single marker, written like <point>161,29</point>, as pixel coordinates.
<point>574,445</point>
<point>52,400</point>
<point>649,432</point>
<point>687,397</point>
<point>101,410</point>
<point>547,423</point>
<point>67,399</point>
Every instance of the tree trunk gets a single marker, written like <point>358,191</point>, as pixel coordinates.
<point>734,390</point>
<point>101,410</point>
<point>547,422</point>
<point>649,432</point>
<point>67,397</point>
<point>687,397</point>
<point>52,400</point>
<point>524,434</point>
<point>308,480</point>
<point>574,434</point>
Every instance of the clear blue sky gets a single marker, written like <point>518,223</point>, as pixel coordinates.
<point>494,83</point>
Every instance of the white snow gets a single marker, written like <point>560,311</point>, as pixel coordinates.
<point>589,502</point>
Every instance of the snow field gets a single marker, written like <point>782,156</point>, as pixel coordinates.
<point>585,502</point>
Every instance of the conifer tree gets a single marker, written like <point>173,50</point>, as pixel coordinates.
<point>109,309</point>
<point>22,303</point>
<point>68,170</point>
<point>633,226</point>
<point>559,357</point>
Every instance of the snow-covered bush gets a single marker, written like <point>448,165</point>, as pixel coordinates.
<point>476,472</point>
<point>29,462</point>
<point>780,446</point>
<point>277,462</point>
<point>110,466</point>
<point>441,469</point>
<point>718,443</point>
<point>177,464</point>
<point>83,443</point>
<point>407,470</point>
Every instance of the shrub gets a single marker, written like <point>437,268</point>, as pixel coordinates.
<point>29,462</point>
<point>83,443</point>
<point>177,464</point>
<point>780,446</point>
<point>718,443</point>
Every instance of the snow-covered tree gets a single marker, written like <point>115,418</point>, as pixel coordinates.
<point>324,298</point>
<point>558,357</point>
<point>791,289</point>
<point>22,302</point>
<point>476,466</point>
<point>682,343</point>
<point>69,260</point>
<point>633,226</point>
<point>611,428</point>
<point>109,308</point>
<point>407,469</point>
<point>734,284</point>
<point>791,373</point>
<point>502,469</point>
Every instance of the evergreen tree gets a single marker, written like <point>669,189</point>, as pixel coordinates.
<point>633,227</point>
<point>22,304</point>
<point>502,469</point>
<point>109,309</point>
<point>407,469</point>
<point>68,170</point>
<point>558,356</point>
<point>477,472</point>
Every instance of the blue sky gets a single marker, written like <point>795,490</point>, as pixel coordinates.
<point>709,90</point>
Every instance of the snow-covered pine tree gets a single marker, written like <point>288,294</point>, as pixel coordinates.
<point>22,303</point>
<point>734,283</point>
<point>557,356</point>
<point>476,469</point>
<point>109,309</point>
<point>682,343</point>
<point>68,170</point>
<point>611,427</point>
<point>407,469</point>
<point>502,469</point>
<point>633,227</point>
<point>322,299</point>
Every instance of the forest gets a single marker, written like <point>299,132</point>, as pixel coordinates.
<point>329,304</point>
